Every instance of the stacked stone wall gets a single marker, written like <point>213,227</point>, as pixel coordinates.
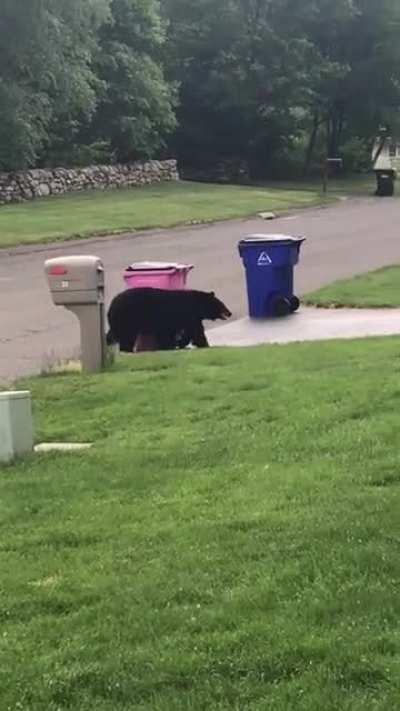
<point>31,184</point>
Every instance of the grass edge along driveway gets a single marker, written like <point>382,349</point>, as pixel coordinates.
<point>165,205</point>
<point>231,541</point>
<point>375,289</point>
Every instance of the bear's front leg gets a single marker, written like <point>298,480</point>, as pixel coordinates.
<point>198,337</point>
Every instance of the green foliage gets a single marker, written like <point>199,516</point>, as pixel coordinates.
<point>75,87</point>
<point>237,79</point>
<point>23,121</point>
<point>356,154</point>
<point>79,72</point>
<point>135,112</point>
<point>46,79</point>
<point>79,154</point>
<point>24,80</point>
<point>256,75</point>
<point>360,51</point>
<point>240,79</point>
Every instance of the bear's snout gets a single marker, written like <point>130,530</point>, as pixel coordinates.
<point>225,314</point>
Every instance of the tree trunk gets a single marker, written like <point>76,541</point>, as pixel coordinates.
<point>334,130</point>
<point>311,143</point>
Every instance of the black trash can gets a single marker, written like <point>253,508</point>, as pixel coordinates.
<point>385,183</point>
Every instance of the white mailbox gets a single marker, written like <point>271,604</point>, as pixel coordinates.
<point>76,280</point>
<point>77,283</point>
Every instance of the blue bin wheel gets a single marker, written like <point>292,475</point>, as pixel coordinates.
<point>294,303</point>
<point>281,306</point>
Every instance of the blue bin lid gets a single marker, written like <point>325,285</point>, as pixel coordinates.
<point>259,239</point>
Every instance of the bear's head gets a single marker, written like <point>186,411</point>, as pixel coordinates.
<point>213,308</point>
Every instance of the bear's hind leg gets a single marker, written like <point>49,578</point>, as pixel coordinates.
<point>126,345</point>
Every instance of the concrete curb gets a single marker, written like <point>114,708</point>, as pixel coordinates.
<point>308,324</point>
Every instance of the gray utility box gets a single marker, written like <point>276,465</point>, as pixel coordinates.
<point>16,430</point>
<point>77,283</point>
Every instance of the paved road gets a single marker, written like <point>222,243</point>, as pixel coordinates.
<point>342,240</point>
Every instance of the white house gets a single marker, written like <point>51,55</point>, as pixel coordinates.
<point>386,156</point>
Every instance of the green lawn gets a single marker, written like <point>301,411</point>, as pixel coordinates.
<point>376,288</point>
<point>93,212</point>
<point>231,541</point>
<point>355,186</point>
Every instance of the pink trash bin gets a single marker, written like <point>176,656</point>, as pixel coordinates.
<point>157,275</point>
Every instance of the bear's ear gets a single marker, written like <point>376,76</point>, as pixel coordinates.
<point>212,293</point>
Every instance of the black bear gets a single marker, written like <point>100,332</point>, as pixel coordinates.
<point>173,318</point>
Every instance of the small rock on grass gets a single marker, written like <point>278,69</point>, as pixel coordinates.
<point>267,215</point>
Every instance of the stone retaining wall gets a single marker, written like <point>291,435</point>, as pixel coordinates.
<point>30,184</point>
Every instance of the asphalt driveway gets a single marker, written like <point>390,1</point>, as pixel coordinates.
<point>342,240</point>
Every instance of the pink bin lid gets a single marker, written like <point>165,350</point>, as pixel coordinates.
<point>158,267</point>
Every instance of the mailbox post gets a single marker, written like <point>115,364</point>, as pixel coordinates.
<point>77,283</point>
<point>328,165</point>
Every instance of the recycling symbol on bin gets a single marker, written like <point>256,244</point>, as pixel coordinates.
<point>264,259</point>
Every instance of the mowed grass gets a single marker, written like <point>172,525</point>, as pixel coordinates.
<point>231,541</point>
<point>165,205</point>
<point>377,288</point>
<point>363,185</point>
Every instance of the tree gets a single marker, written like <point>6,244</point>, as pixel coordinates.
<point>75,86</point>
<point>355,64</point>
<point>241,76</point>
<point>46,78</point>
<point>24,107</point>
<point>136,110</point>
<point>256,75</point>
<point>256,78</point>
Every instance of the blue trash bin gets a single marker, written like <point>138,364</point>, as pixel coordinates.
<point>269,262</point>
